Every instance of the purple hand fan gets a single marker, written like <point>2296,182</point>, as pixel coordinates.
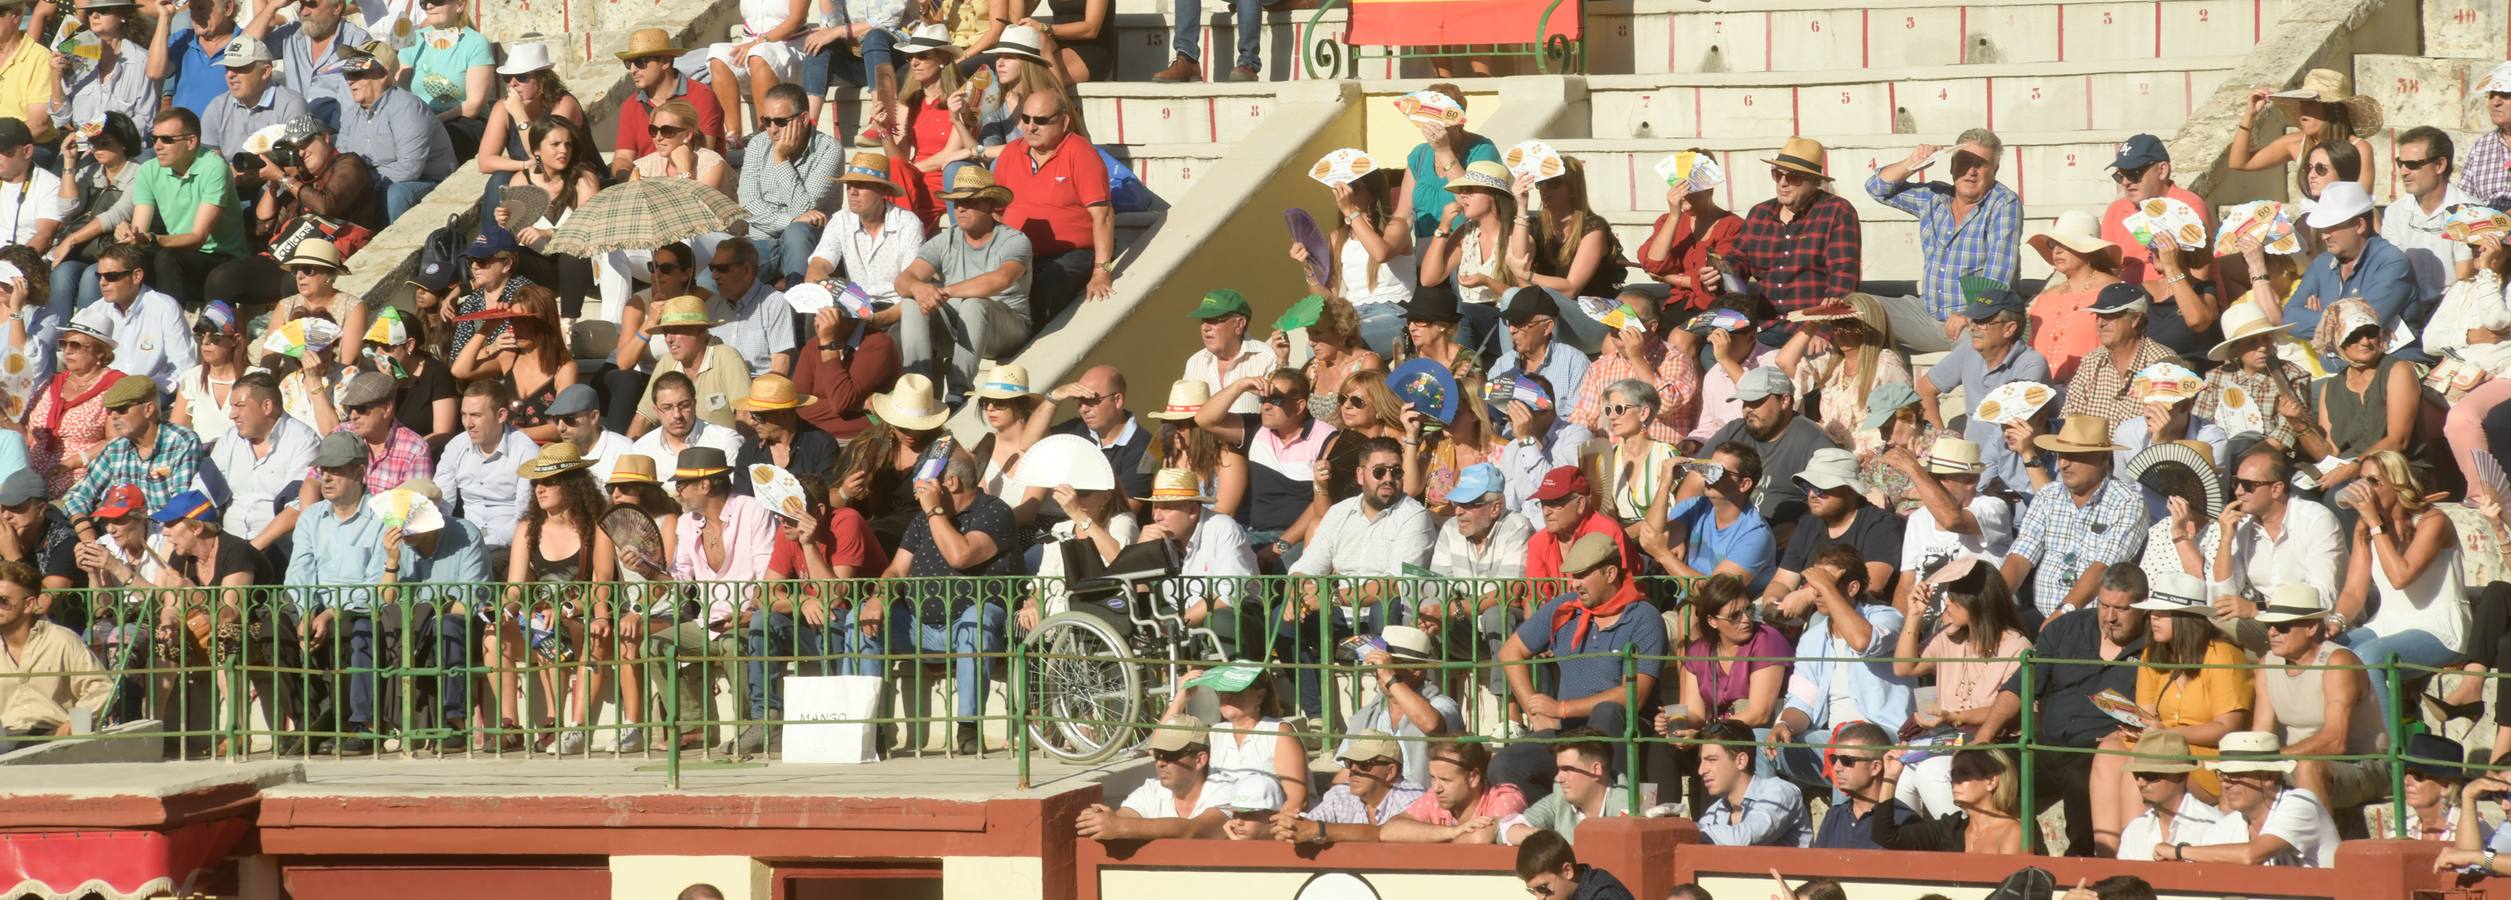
<point>1303,228</point>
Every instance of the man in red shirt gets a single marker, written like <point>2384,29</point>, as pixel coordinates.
<point>1059,199</point>
<point>2143,171</point>
<point>648,58</point>
<point>1568,512</point>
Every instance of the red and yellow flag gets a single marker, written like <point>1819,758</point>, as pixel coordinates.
<point>1427,23</point>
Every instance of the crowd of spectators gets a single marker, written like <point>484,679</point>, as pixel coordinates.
<point>2222,459</point>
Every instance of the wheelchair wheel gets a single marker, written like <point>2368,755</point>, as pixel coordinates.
<point>1088,697</point>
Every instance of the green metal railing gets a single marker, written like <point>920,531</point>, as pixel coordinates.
<point>445,666</point>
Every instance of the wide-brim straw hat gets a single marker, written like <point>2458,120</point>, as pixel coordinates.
<point>975,183</point>
<point>1009,381</point>
<point>1482,175</point>
<point>1804,156</point>
<point>315,252</point>
<point>2078,231</point>
<point>684,311</point>
<point>870,168</point>
<point>2250,751</point>
<point>559,458</point>
<point>1020,42</point>
<point>1177,486</point>
<point>1185,398</point>
<point>771,392</point>
<point>910,404</point>
<point>2242,322</point>
<point>2334,87</point>
<point>1954,456</point>
<point>2079,434</point>
<point>2293,601</point>
<point>633,468</point>
<point>647,42</point>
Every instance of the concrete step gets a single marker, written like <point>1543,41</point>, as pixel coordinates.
<point>1169,169</point>
<point>2055,170</point>
<point>1932,100</point>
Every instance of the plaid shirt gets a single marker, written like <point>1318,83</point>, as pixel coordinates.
<point>404,457</point>
<point>2100,389</point>
<point>1676,379</point>
<point>173,460</point>
<point>2063,539</point>
<point>2485,170</point>
<point>1983,243</point>
<point>1804,262</point>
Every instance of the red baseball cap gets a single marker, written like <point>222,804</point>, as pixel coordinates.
<point>121,500</point>
<point>1561,482</point>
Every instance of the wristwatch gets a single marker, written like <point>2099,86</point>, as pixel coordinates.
<point>937,511</point>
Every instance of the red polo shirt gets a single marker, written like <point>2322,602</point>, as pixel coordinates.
<point>1051,203</point>
<point>636,114</point>
<point>1543,554</point>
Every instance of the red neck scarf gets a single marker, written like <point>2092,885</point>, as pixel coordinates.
<point>1585,616</point>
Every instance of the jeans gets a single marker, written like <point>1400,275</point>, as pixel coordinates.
<point>785,258</point>
<point>400,196</point>
<point>974,329</point>
<point>1188,38</point>
<point>777,634</point>
<point>352,645</point>
<point>1802,765</point>
<point>1381,325</point>
<point>73,287</point>
<point>978,628</point>
<point>1478,330</point>
<point>2413,647</point>
<point>1058,282</point>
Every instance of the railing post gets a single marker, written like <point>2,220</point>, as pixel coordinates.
<point>1018,699</point>
<point>1326,611</point>
<point>2022,745</point>
<point>2397,752</point>
<point>671,714</point>
<point>1630,725</point>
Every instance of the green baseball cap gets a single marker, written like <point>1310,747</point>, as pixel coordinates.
<point>1228,678</point>
<point>1223,302</point>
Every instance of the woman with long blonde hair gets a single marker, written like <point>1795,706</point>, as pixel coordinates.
<point>1373,267</point>
<point>1844,358</point>
<point>1475,252</point>
<point>2406,552</point>
<point>1567,249</point>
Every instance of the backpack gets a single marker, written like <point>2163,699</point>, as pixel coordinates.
<point>442,252</point>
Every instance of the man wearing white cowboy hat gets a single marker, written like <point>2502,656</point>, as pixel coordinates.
<point>251,102</point>
<point>2077,527</point>
<point>2357,262</point>
<point>1227,355</point>
<point>969,284</point>
<point>1801,247</point>
<point>2293,826</point>
<point>872,238</point>
<point>2318,712</point>
<point>1953,517</point>
<point>649,58</point>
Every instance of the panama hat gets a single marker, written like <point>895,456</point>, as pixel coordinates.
<point>559,458</point>
<point>633,468</point>
<point>772,391</point>
<point>685,311</point>
<point>1803,155</point>
<point>315,252</point>
<point>2334,87</point>
<point>910,404</point>
<point>2176,592</point>
<point>1186,397</point>
<point>645,42</point>
<point>2250,751</point>
<point>1020,42</point>
<point>930,37</point>
<point>2242,322</point>
<point>524,59</point>
<point>2162,753</point>
<point>1009,381</point>
<point>870,166</point>
<point>2078,231</point>
<point>2293,602</point>
<point>1177,486</point>
<point>975,183</point>
<point>2079,434</point>
<point>1954,456</point>
<point>700,462</point>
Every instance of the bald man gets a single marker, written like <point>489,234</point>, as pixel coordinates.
<point>1100,400</point>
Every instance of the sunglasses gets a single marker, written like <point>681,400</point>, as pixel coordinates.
<point>2296,625</point>
<point>1170,756</point>
<point>2322,169</point>
<point>2124,176</point>
<point>2251,484</point>
<point>642,62</point>
<point>780,121</point>
<point>1778,174</point>
<point>115,275</point>
<point>1615,410</point>
<point>1382,472</point>
<point>666,130</point>
<point>364,408</point>
<point>664,268</point>
<point>1355,401</point>
<point>721,268</point>
<point>164,139</point>
<point>1040,121</point>
<point>1281,400</point>
<point>2415,164</point>
<point>481,263</point>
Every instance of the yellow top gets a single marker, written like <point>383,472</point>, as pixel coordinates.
<point>26,80</point>
<point>2182,697</point>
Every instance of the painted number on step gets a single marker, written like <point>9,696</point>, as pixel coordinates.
<point>2410,85</point>
<point>1255,110</point>
<point>2205,15</point>
<point>2105,17</point>
<point>1167,113</point>
<point>1844,98</point>
<point>2035,92</point>
<point>2465,16</point>
<point>1817,25</point>
<point>1747,99</point>
<point>1909,23</point>
<point>1622,30</point>
<point>2070,160</point>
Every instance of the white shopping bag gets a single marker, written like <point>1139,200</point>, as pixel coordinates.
<point>825,718</point>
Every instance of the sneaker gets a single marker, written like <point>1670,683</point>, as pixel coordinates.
<point>1245,74</point>
<point>353,746</point>
<point>1180,71</point>
<point>571,743</point>
<point>969,742</point>
<point>632,741</point>
<point>753,741</point>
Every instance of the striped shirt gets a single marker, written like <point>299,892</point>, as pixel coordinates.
<point>1983,243</point>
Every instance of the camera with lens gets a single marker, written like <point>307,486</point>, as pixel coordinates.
<point>285,155</point>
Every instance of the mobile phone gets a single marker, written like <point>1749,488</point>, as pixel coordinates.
<point>934,460</point>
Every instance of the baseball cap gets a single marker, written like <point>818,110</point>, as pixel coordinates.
<point>577,399</point>
<point>129,392</point>
<point>339,448</point>
<point>369,56</point>
<point>1763,383</point>
<point>1985,297</point>
<point>301,129</point>
<point>1179,732</point>
<point>21,486</point>
<point>1562,481</point>
<point>14,134</point>
<point>121,500</point>
<point>1369,746</point>
<point>187,505</point>
<point>1885,399</point>
<point>1525,303</point>
<point>244,51</point>
<point>491,242</point>
<point>367,387</point>
<point>1223,302</point>
<point>1474,482</point>
<point>436,277</point>
<point>218,317</point>
<point>2119,298</point>
<point>2140,151</point>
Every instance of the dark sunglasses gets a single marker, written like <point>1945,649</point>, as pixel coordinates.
<point>2123,176</point>
<point>1170,756</point>
<point>780,121</point>
<point>479,263</point>
<point>1355,401</point>
<point>665,130</point>
<point>1384,471</point>
<point>164,139</point>
<point>364,408</point>
<point>721,268</point>
<point>1778,174</point>
<point>642,62</point>
<point>1281,400</point>
<point>2252,484</point>
<point>2295,625</point>
<point>2416,164</point>
<point>664,268</point>
<point>2322,169</point>
<point>521,77</point>
<point>1040,121</point>
<point>116,275</point>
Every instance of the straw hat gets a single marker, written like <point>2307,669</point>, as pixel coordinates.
<point>2078,231</point>
<point>700,462</point>
<point>1178,486</point>
<point>2332,86</point>
<point>1006,382</point>
<point>559,458</point>
<point>930,37</point>
<point>685,311</point>
<point>645,42</point>
<point>2170,746</point>
<point>772,391</point>
<point>1803,155</point>
<point>1482,175</point>
<point>870,167</point>
<point>2242,322</point>
<point>633,468</point>
<point>2079,434</point>
<point>2176,593</point>
<point>910,404</point>
<point>315,252</point>
<point>1186,397</point>
<point>2250,751</point>
<point>2293,601</point>
<point>976,183</point>
<point>1020,42</point>
<point>1954,456</point>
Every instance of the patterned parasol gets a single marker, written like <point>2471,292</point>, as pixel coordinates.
<point>645,214</point>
